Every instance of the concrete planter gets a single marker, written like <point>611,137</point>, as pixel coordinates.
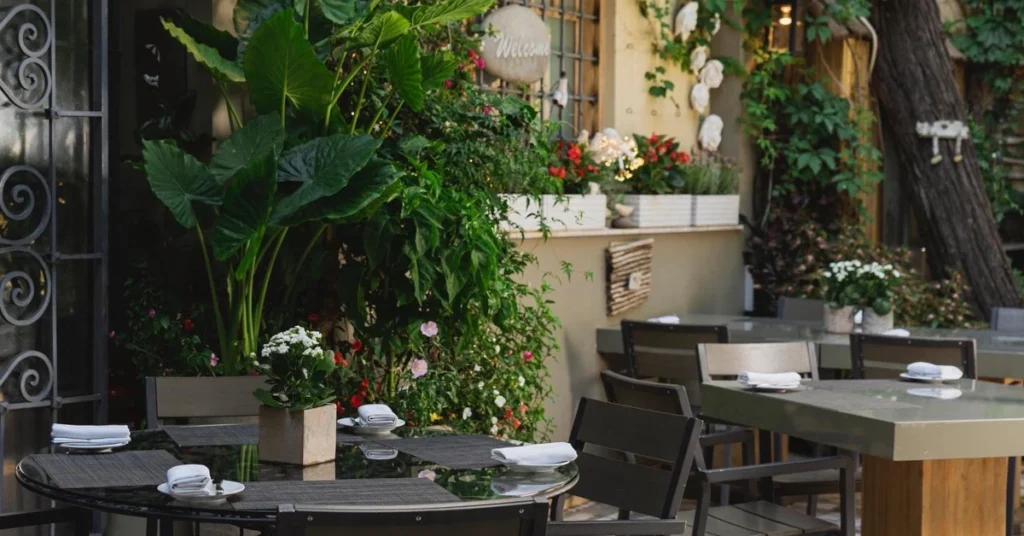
<point>876,323</point>
<point>523,212</point>
<point>574,212</point>
<point>303,438</point>
<point>711,210</point>
<point>659,210</point>
<point>840,320</point>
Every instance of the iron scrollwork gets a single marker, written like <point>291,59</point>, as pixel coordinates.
<point>32,386</point>
<point>32,70</point>
<point>18,202</point>
<point>19,290</point>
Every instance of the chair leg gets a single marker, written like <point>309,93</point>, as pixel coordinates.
<point>1011,488</point>
<point>83,523</point>
<point>166,527</point>
<point>847,498</point>
<point>723,498</point>
<point>558,508</point>
<point>152,527</point>
<point>700,517</point>
<point>812,505</point>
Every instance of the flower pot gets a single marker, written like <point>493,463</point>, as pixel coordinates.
<point>523,213</point>
<point>716,210</point>
<point>876,323</point>
<point>574,212</point>
<point>659,210</point>
<point>303,437</point>
<point>839,319</point>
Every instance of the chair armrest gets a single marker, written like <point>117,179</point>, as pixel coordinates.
<point>630,527</point>
<point>727,438</point>
<point>750,472</point>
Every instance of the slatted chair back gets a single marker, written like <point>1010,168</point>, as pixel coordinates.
<point>201,398</point>
<point>527,517</point>
<point>643,394</point>
<point>668,352</point>
<point>883,357</point>
<point>725,361</point>
<point>604,433</point>
<point>800,310</point>
<point>1007,319</point>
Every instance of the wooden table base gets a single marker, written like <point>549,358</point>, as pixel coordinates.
<point>934,498</point>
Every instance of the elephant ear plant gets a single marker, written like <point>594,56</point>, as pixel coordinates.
<point>306,159</point>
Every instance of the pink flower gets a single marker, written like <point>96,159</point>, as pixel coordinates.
<point>152,313</point>
<point>428,329</point>
<point>479,63</point>
<point>488,110</point>
<point>112,334</point>
<point>528,356</point>
<point>448,84</point>
<point>418,367</point>
<point>214,359</point>
<point>428,474</point>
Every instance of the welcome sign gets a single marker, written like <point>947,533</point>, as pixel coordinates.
<point>517,47</point>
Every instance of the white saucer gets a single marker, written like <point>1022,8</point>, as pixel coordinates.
<point>912,378</point>
<point>359,429</point>
<point>775,388</point>
<point>93,449</point>
<point>534,468</point>
<point>227,489</point>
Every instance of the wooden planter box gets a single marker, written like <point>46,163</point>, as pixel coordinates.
<point>524,212</point>
<point>574,212</point>
<point>716,210</point>
<point>659,210</point>
<point>303,438</point>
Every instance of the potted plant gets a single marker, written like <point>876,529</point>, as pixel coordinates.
<point>852,286</point>
<point>879,283</point>
<point>714,182</point>
<point>580,176</point>
<point>297,417</point>
<point>657,188</point>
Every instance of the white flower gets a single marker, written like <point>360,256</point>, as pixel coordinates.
<point>522,381</point>
<point>477,368</point>
<point>718,24</point>
<point>466,413</point>
<point>896,273</point>
<point>710,135</point>
<point>712,74</point>
<point>700,96</point>
<point>494,429</point>
<point>494,420</point>
<point>686,20</point>
<point>828,274</point>
<point>480,385</point>
<point>499,401</point>
<point>496,393</point>
<point>698,58</point>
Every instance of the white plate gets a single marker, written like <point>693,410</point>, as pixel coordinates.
<point>912,378</point>
<point>94,449</point>
<point>534,468</point>
<point>227,489</point>
<point>775,388</point>
<point>359,429</point>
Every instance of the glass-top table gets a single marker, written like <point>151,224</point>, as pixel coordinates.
<point>240,463</point>
<point>1000,354</point>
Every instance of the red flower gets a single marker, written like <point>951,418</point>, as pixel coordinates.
<point>522,409</point>
<point>591,168</point>
<point>187,324</point>
<point>575,153</point>
<point>685,158</point>
<point>340,359</point>
<point>356,401</point>
<point>357,345</point>
<point>651,156</point>
<point>337,406</point>
<point>653,139</point>
<point>558,172</point>
<point>516,423</point>
<point>508,413</point>
<point>313,318</point>
<point>364,385</point>
<point>579,172</point>
<point>472,54</point>
<point>480,63</point>
<point>448,84</point>
<point>528,356</point>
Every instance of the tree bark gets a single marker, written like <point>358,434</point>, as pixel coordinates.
<point>914,82</point>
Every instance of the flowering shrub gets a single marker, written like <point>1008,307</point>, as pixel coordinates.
<point>575,165</point>
<point>297,367</point>
<point>711,174</point>
<point>664,167</point>
<point>866,285</point>
<point>612,149</point>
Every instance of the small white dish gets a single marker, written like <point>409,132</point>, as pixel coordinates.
<point>359,429</point>
<point>920,379</point>
<point>774,388</point>
<point>226,489</point>
<point>92,449</point>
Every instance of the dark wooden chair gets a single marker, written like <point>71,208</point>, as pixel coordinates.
<point>884,357</point>
<point>79,519</point>
<point>1007,319</point>
<point>485,518</point>
<point>800,309</point>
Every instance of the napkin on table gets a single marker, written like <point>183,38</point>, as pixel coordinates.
<point>542,454</point>
<point>86,433</point>
<point>776,379</point>
<point>670,319</point>
<point>897,333</point>
<point>190,480</point>
<point>376,415</point>
<point>936,372</point>
<point>941,394</point>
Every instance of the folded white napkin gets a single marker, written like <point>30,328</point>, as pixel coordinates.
<point>190,480</point>
<point>897,333</point>
<point>931,371</point>
<point>379,453</point>
<point>775,379</point>
<point>542,454</point>
<point>376,415</point>
<point>941,394</point>
<point>77,433</point>
<point>670,319</point>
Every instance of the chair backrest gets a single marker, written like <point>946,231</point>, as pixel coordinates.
<point>800,309</point>
<point>193,398</point>
<point>668,351</point>
<point>643,436</point>
<point>720,361</point>
<point>881,357</point>
<point>1007,319</point>
<point>643,394</point>
<point>527,517</point>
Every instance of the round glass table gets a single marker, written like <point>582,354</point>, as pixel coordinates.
<point>240,463</point>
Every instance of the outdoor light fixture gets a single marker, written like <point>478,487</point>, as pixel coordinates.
<point>782,35</point>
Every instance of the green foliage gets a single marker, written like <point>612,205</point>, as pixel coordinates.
<point>178,180</point>
<point>406,72</point>
<point>1001,194</point>
<point>851,282</point>
<point>297,368</point>
<point>712,174</point>
<point>670,47</point>
<point>664,168</point>
<point>208,53</point>
<point>281,67</point>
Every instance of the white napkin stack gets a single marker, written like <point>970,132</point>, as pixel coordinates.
<point>542,454</point>
<point>898,332</point>
<point>376,415</point>
<point>190,480</point>
<point>934,372</point>
<point>776,379</point>
<point>670,319</point>
<point>74,436</point>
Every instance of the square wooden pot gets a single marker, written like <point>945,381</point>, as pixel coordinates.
<point>302,438</point>
<point>574,212</point>
<point>711,210</point>
<point>674,210</point>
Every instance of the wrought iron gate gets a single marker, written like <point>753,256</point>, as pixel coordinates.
<point>54,171</point>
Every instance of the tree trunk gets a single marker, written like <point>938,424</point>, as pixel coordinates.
<point>914,82</point>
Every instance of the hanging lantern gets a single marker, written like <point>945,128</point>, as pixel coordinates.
<point>782,34</point>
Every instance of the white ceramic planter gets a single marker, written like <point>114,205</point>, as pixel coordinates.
<point>875,323</point>
<point>574,212</point>
<point>659,210</point>
<point>839,320</point>
<point>524,212</point>
<point>716,210</point>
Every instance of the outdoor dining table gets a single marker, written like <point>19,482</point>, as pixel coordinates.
<point>373,473</point>
<point>934,456</point>
<point>1000,354</point>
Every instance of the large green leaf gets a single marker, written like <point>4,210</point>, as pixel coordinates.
<point>342,12</point>
<point>368,189</point>
<point>403,63</point>
<point>382,30</point>
<point>437,68</point>
<point>208,34</point>
<point>178,180</point>
<point>280,66</point>
<point>323,167</point>
<point>261,135</point>
<point>450,11</point>
<point>246,211</point>
<point>249,15</point>
<point>220,66</point>
<point>377,236</point>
